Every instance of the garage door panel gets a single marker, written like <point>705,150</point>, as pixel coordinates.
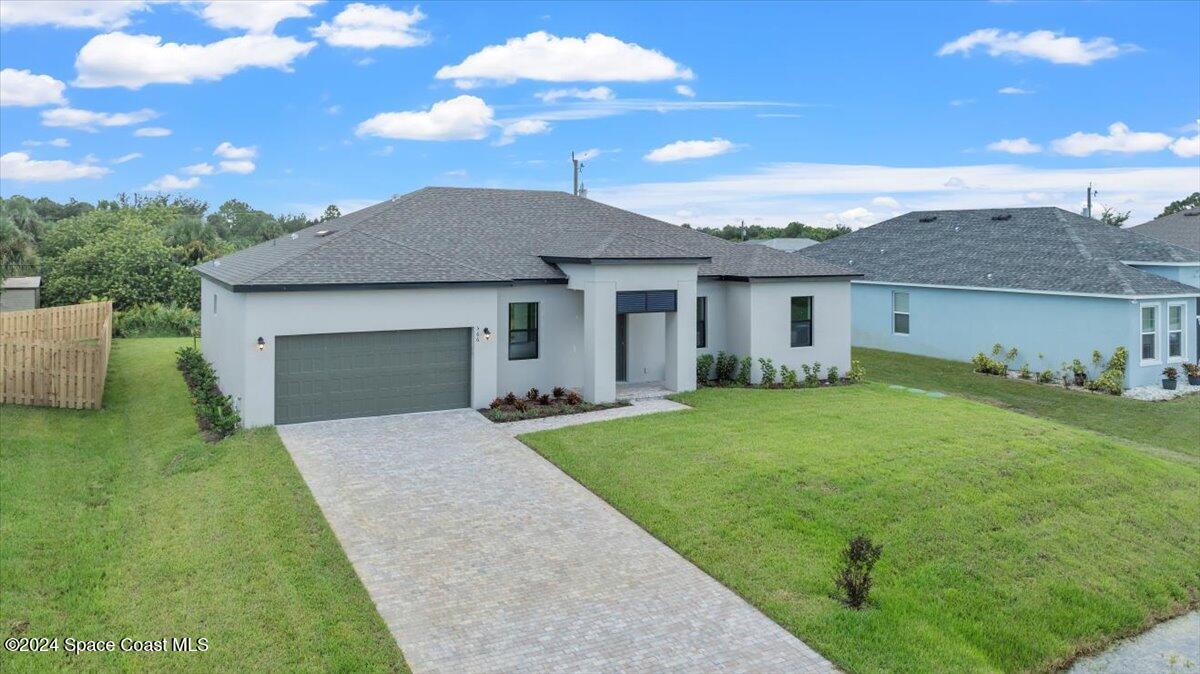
<point>342,375</point>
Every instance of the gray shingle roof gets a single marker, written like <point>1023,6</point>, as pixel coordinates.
<point>467,235</point>
<point>785,244</point>
<point>1181,228</point>
<point>1045,249</point>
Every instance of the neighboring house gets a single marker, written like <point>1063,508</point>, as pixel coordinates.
<point>1051,283</point>
<point>447,298</point>
<point>20,293</point>
<point>1181,228</point>
<point>787,245</point>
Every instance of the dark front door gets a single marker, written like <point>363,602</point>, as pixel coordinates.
<point>622,346</point>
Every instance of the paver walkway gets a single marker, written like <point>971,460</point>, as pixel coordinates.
<point>1172,647</point>
<point>483,557</point>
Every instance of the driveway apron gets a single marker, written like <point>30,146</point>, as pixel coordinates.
<point>481,556</point>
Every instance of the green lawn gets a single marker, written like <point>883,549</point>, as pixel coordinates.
<point>1170,425</point>
<point>122,522</point>
<point>1010,543</point>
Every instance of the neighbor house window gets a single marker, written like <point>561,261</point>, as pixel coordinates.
<point>802,321</point>
<point>701,322</point>
<point>522,330</point>
<point>900,312</point>
<point>1175,335</point>
<point>1149,332</point>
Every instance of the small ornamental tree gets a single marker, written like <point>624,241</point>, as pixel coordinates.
<point>854,576</point>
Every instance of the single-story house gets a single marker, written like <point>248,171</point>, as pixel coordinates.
<point>1181,228</point>
<point>449,297</point>
<point>20,293</point>
<point>786,244</point>
<point>1053,284</point>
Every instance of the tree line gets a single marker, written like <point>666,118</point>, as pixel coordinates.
<point>793,230</point>
<point>134,250</point>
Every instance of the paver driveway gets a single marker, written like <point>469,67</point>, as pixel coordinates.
<point>484,557</point>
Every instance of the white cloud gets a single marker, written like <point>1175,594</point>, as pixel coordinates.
<point>133,61</point>
<point>170,182</point>
<point>593,94</point>
<point>127,157</point>
<point>456,173</point>
<point>1015,146</point>
<point>370,26</point>
<point>227,150</point>
<point>588,155</point>
<point>886,202</point>
<point>960,102</point>
<point>1039,44</point>
<point>549,58</point>
<point>461,118</point>
<point>108,15</point>
<point>333,110</point>
<point>364,61</point>
<point>23,88</point>
<point>1187,147</point>
<point>88,120</point>
<point>152,132</point>
<point>255,16</point>
<point>201,169</point>
<point>242,166</point>
<point>522,127</point>
<point>852,217</point>
<point>1013,91</point>
<point>20,166</point>
<point>1119,139</point>
<point>689,149</point>
<point>685,90</point>
<point>780,193</point>
<point>57,142</point>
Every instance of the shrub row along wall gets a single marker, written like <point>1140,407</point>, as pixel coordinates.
<point>56,357</point>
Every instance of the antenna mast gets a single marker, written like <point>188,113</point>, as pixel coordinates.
<point>1089,200</point>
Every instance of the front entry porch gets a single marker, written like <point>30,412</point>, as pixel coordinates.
<point>644,390</point>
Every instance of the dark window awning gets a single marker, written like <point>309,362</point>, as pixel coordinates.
<point>645,301</point>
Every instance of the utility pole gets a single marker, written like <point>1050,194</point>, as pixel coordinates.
<point>1089,200</point>
<point>576,167</point>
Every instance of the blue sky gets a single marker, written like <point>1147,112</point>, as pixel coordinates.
<point>699,112</point>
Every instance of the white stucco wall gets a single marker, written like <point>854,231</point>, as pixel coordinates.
<point>744,319</point>
<point>223,337</point>
<point>770,321</point>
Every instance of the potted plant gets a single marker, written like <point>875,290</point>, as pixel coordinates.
<point>1170,375</point>
<point>1193,373</point>
<point>1080,372</point>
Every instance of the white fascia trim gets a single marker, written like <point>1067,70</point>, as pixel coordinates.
<point>1161,264</point>
<point>1031,292</point>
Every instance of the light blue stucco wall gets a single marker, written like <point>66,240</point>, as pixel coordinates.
<point>957,324</point>
<point>1188,275</point>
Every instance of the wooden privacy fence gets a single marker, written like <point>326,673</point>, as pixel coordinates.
<point>56,357</point>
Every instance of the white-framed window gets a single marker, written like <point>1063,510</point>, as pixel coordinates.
<point>899,312</point>
<point>1176,332</point>
<point>1149,327</point>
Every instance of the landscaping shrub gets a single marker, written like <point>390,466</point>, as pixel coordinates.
<point>544,399</point>
<point>832,376</point>
<point>1045,376</point>
<point>812,375</point>
<point>574,398</point>
<point>1112,379</point>
<point>1025,372</point>
<point>532,395</point>
<point>496,402</point>
<point>854,577</point>
<point>1079,372</point>
<point>215,413</point>
<point>520,405</point>
<point>544,405</point>
<point>988,365</point>
<point>704,364</point>
<point>726,367</point>
<point>788,377</point>
<point>856,373</point>
<point>510,398</point>
<point>768,372</point>
<point>559,392</point>
<point>744,370</point>
<point>156,320</point>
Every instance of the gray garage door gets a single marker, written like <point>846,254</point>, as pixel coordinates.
<point>363,374</point>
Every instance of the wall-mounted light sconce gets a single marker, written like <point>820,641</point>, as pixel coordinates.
<point>261,343</point>
<point>483,334</point>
